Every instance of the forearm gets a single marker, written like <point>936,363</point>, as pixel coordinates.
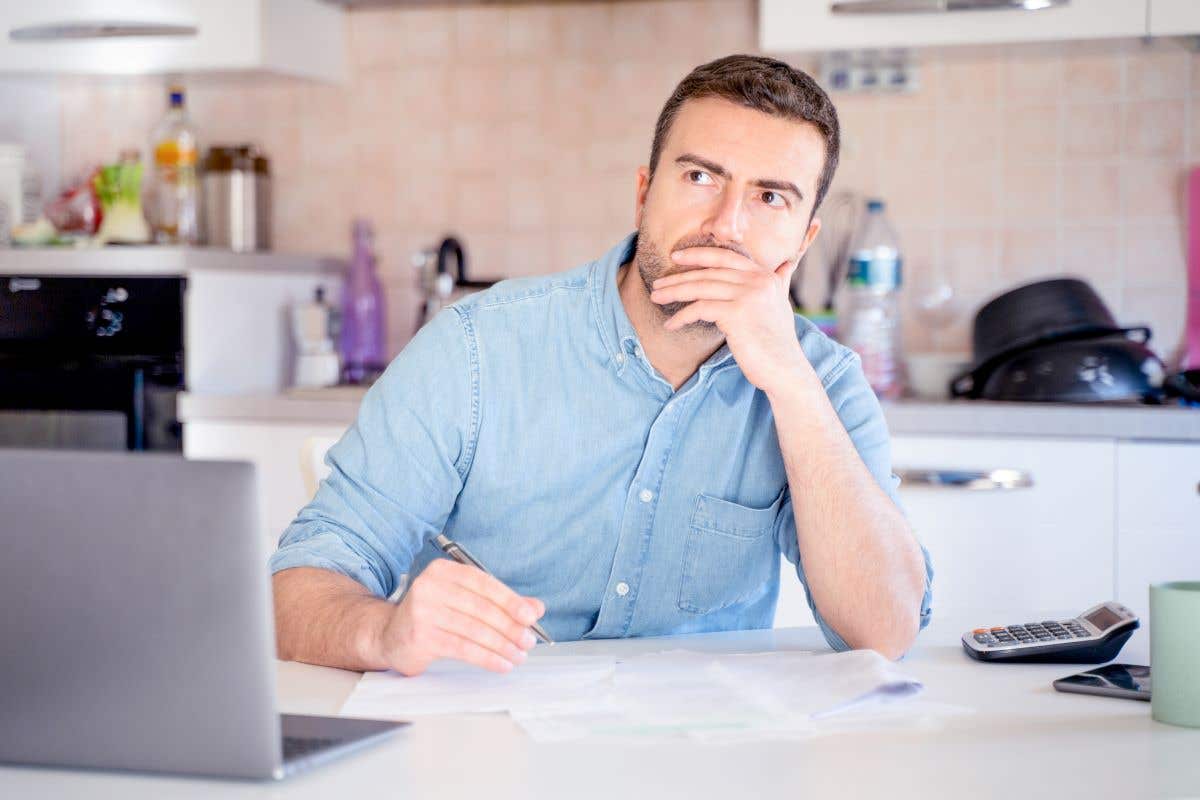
<point>864,567</point>
<point>322,617</point>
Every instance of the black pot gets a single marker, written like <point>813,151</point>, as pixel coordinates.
<point>1012,332</point>
<point>1110,369</point>
<point>1043,311</point>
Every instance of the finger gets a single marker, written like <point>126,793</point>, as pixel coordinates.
<point>465,601</point>
<point>697,290</point>
<point>734,276</point>
<point>713,257</point>
<point>708,310</point>
<point>475,630</point>
<point>519,608</point>
<point>451,645</point>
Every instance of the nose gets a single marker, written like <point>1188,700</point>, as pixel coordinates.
<point>727,221</point>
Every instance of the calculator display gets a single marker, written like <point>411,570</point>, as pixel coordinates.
<point>1102,618</point>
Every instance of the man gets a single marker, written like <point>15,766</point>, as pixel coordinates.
<point>627,446</point>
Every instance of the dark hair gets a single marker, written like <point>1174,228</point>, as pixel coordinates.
<point>763,84</point>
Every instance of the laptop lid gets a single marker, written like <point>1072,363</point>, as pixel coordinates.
<point>136,615</point>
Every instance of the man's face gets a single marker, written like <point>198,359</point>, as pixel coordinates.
<point>731,177</point>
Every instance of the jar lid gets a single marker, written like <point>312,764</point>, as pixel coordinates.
<point>235,158</point>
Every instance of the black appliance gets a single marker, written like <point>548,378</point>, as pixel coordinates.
<point>1056,341</point>
<point>91,362</point>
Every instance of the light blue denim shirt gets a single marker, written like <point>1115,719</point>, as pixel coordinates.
<point>526,422</point>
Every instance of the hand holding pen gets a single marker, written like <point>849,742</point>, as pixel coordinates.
<point>456,609</point>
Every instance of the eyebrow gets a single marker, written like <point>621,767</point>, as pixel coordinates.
<point>721,172</point>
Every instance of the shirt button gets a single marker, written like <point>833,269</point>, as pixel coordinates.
<point>622,588</point>
<point>620,358</point>
<point>645,495</point>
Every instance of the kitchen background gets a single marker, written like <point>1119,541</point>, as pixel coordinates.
<point>519,127</point>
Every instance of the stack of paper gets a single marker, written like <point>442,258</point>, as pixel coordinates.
<point>452,687</point>
<point>680,693</point>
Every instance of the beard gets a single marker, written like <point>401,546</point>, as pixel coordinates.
<point>653,264</point>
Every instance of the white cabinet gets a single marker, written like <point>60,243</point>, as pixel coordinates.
<point>1174,17</point>
<point>999,550</point>
<point>812,25</point>
<point>1158,518</point>
<point>1047,546</point>
<point>303,38</point>
<point>279,453</point>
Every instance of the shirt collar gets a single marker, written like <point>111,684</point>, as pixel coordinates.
<point>619,335</point>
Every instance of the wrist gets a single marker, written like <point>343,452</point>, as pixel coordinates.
<point>794,380</point>
<point>370,633</point>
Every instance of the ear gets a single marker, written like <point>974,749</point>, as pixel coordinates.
<point>643,188</point>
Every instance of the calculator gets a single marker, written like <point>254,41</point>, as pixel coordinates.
<point>1095,636</point>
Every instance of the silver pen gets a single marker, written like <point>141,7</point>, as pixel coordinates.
<point>460,554</point>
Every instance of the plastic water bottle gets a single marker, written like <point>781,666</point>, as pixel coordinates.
<point>870,322</point>
<point>363,339</point>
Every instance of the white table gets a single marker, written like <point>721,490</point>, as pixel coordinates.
<point>1026,740</point>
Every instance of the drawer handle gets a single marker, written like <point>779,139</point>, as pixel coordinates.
<point>59,31</point>
<point>970,479</point>
<point>938,6</point>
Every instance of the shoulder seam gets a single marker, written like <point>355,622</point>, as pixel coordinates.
<point>467,457</point>
<point>533,295</point>
<point>838,369</point>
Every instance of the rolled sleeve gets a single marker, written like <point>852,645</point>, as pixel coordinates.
<point>862,416</point>
<point>397,471</point>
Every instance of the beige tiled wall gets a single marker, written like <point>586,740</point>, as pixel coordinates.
<point>519,128</point>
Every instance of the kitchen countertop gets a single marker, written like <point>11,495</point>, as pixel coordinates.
<point>152,260</point>
<point>339,406</point>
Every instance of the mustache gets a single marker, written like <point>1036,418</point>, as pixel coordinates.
<point>709,241</point>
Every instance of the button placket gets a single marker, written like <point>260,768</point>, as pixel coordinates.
<point>617,607</point>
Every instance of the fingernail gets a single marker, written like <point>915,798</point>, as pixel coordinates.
<point>528,615</point>
<point>528,640</point>
<point>518,656</point>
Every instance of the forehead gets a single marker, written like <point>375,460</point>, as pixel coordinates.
<point>749,143</point>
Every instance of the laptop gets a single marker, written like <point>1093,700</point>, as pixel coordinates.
<point>137,624</point>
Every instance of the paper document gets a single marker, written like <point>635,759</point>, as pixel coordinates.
<point>452,687</point>
<point>678,693</point>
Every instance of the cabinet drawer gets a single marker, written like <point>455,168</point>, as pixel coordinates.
<point>1158,518</point>
<point>1046,543</point>
<point>787,25</point>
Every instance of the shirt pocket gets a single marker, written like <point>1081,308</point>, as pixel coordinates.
<point>729,554</point>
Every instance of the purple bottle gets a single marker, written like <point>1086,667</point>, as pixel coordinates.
<point>363,336</point>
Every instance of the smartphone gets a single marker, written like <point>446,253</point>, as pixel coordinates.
<point>1115,680</point>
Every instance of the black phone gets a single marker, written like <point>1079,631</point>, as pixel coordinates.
<point>1115,680</point>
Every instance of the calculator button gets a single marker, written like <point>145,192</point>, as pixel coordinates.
<point>980,630</point>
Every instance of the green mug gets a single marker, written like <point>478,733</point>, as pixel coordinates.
<point>1175,652</point>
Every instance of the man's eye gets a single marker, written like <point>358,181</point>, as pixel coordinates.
<point>699,177</point>
<point>774,199</point>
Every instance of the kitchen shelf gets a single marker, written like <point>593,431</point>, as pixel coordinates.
<point>152,260</point>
